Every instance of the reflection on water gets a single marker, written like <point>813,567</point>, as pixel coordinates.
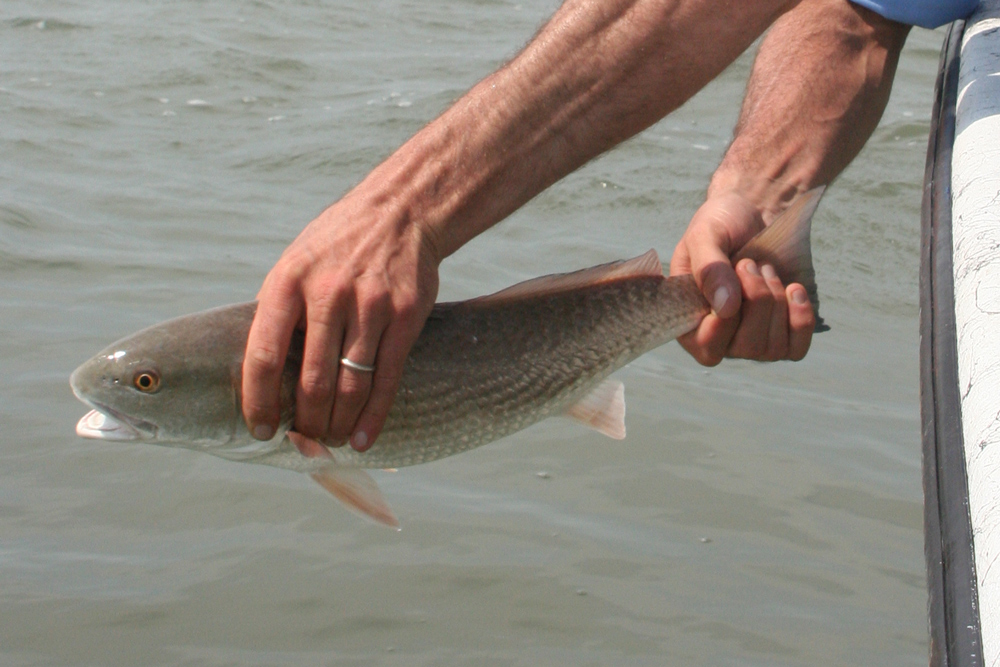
<point>158,157</point>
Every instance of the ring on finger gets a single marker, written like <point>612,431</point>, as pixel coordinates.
<point>355,366</point>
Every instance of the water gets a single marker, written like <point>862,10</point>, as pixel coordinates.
<point>157,157</point>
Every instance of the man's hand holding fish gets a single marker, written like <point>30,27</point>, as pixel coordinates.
<point>595,75</point>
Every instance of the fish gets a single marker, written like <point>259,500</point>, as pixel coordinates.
<point>480,369</point>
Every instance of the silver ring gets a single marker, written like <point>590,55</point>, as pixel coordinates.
<point>355,366</point>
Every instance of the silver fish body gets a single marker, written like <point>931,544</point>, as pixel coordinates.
<point>480,369</point>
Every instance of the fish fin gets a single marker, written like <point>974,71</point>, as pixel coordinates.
<point>784,244</point>
<point>309,448</point>
<point>644,265</point>
<point>603,409</point>
<point>354,487</point>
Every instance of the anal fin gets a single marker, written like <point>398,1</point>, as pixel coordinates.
<point>603,409</point>
<point>353,487</point>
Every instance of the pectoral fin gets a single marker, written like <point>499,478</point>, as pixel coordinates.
<point>354,487</point>
<point>603,409</point>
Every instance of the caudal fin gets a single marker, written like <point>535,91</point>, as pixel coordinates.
<point>784,244</point>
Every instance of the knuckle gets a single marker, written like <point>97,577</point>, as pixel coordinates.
<point>255,412</point>
<point>759,293</point>
<point>771,277</point>
<point>296,261</point>
<point>264,359</point>
<point>373,303</point>
<point>283,283</point>
<point>324,305</point>
<point>315,384</point>
<point>407,310</point>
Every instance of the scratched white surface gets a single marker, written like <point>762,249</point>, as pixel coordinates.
<point>976,229</point>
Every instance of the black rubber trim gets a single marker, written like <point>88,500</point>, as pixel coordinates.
<point>953,606</point>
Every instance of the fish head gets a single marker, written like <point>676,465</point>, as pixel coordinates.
<point>175,383</point>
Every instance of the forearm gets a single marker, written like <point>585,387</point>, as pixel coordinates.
<point>818,88</point>
<point>596,74</point>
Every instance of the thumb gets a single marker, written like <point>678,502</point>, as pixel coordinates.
<point>719,228</point>
<point>720,286</point>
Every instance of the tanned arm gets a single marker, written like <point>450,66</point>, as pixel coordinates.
<point>818,88</point>
<point>362,278</point>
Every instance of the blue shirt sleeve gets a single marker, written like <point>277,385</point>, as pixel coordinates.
<point>924,13</point>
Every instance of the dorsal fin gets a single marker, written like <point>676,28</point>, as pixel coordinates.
<point>784,244</point>
<point>647,264</point>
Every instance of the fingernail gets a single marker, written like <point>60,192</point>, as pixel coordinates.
<point>800,297</point>
<point>359,440</point>
<point>720,298</point>
<point>751,268</point>
<point>768,272</point>
<point>263,432</point>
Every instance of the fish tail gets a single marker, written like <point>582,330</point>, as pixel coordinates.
<point>784,244</point>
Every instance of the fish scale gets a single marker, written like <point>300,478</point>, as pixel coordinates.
<point>599,329</point>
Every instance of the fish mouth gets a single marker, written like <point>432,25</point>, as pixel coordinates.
<point>106,423</point>
<point>98,426</point>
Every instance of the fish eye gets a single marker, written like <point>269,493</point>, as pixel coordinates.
<point>146,381</point>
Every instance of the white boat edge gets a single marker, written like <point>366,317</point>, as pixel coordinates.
<point>975,185</point>
<point>960,346</point>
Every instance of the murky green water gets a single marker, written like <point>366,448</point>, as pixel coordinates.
<point>157,157</point>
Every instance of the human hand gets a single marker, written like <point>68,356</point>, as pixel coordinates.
<point>753,315</point>
<point>361,280</point>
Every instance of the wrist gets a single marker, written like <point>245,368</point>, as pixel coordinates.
<point>767,194</point>
<point>450,181</point>
<point>408,197</point>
